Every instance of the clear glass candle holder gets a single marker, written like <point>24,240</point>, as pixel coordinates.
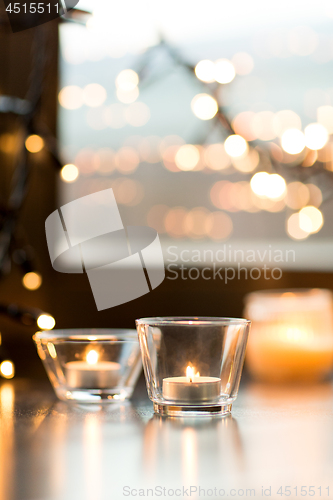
<point>192,365</point>
<point>91,365</point>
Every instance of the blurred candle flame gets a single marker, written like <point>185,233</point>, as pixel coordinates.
<point>190,373</point>
<point>92,357</point>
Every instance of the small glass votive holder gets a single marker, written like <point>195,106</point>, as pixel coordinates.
<point>192,365</point>
<point>91,365</point>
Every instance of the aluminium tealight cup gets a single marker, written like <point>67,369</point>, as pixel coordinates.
<point>192,365</point>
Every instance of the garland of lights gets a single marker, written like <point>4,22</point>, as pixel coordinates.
<point>35,136</point>
<point>300,149</point>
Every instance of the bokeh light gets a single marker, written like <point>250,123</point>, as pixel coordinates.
<point>174,222</point>
<point>284,120</point>
<point>127,80</point>
<point>156,216</point>
<point>242,125</point>
<point>216,158</point>
<point>32,281</point>
<point>293,228</point>
<point>316,136</point>
<point>187,157</point>
<point>204,106</point>
<point>219,226</point>
<point>205,71</point>
<point>224,71</point>
<point>7,369</point>
<point>262,126</point>
<point>310,219</point>
<point>325,117</point>
<point>247,163</point>
<point>315,195</point>
<point>71,97</point>
<point>34,143</point>
<point>259,183</point>
<point>276,187</point>
<point>297,195</point>
<point>195,222</point>
<point>235,146</point>
<point>128,97</point>
<point>94,95</point>
<point>127,160</point>
<point>69,173</point>
<point>293,141</point>
<point>46,322</point>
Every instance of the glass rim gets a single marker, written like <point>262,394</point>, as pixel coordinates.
<point>88,335</point>
<point>191,320</point>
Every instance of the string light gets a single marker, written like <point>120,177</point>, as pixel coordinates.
<point>316,136</point>
<point>187,157</point>
<point>69,173</point>
<point>127,80</point>
<point>71,97</point>
<point>94,95</point>
<point>204,106</point>
<point>32,281</point>
<point>293,141</point>
<point>310,219</point>
<point>7,369</point>
<point>236,146</point>
<point>46,322</point>
<point>224,71</point>
<point>34,143</point>
<point>205,71</point>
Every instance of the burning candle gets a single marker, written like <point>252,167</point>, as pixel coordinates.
<point>92,373</point>
<point>191,388</point>
<point>291,336</point>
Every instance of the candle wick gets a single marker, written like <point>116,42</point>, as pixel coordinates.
<point>191,379</point>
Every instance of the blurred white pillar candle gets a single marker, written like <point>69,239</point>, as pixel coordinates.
<point>291,336</point>
<point>92,374</point>
<point>191,388</point>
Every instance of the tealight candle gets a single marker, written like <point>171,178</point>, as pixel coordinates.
<point>92,374</point>
<point>192,387</point>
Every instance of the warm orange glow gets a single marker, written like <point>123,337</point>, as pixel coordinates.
<point>92,357</point>
<point>32,281</point>
<point>310,219</point>
<point>190,373</point>
<point>7,369</point>
<point>34,143</point>
<point>46,322</point>
<point>187,157</point>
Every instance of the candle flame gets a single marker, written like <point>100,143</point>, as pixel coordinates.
<point>92,357</point>
<point>190,373</point>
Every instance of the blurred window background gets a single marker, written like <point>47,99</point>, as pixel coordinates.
<point>134,116</point>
